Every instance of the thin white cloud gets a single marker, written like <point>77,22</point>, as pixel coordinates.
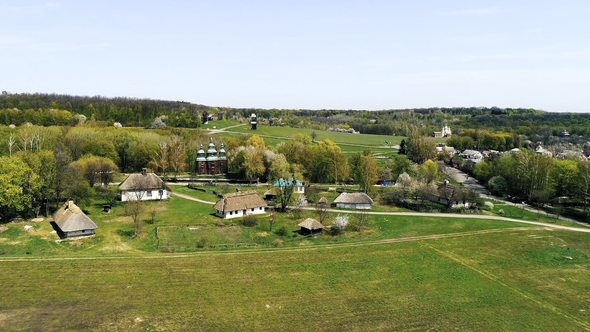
<point>475,12</point>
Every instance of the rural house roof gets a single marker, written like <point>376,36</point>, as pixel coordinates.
<point>239,201</point>
<point>70,218</point>
<point>272,191</point>
<point>282,183</point>
<point>143,181</point>
<point>323,200</point>
<point>310,224</point>
<point>354,198</point>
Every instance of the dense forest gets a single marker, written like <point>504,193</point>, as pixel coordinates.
<point>54,109</point>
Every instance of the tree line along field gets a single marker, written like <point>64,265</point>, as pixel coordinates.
<point>527,279</point>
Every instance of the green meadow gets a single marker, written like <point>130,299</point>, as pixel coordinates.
<point>513,280</point>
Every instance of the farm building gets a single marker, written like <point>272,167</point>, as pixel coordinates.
<point>240,204</point>
<point>353,201</point>
<point>70,221</point>
<point>143,186</point>
<point>271,194</point>
<point>323,201</point>
<point>298,187</point>
<point>310,226</point>
<point>449,195</point>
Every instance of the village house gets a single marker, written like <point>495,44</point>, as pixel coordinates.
<point>445,132</point>
<point>298,187</point>
<point>449,195</point>
<point>212,163</point>
<point>472,156</point>
<point>70,221</point>
<point>240,204</point>
<point>143,186</point>
<point>353,201</point>
<point>271,194</point>
<point>310,226</point>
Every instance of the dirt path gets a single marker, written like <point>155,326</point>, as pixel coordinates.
<point>215,131</point>
<point>192,198</point>
<point>271,249</point>
<point>422,214</point>
<point>456,215</point>
<point>471,183</point>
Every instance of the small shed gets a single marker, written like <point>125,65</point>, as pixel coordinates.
<point>353,201</point>
<point>310,226</point>
<point>323,201</point>
<point>70,221</point>
<point>271,194</point>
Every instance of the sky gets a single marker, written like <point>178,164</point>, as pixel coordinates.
<point>366,55</point>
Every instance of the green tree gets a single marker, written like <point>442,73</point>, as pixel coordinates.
<point>253,165</point>
<point>429,170</point>
<point>420,148</point>
<point>565,177</point>
<point>328,163</point>
<point>367,173</point>
<point>19,186</point>
<point>101,148</point>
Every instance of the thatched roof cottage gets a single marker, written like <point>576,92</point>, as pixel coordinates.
<point>71,221</point>
<point>353,201</point>
<point>240,204</point>
<point>310,226</point>
<point>143,186</point>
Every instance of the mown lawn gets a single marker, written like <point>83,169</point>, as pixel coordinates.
<point>535,280</point>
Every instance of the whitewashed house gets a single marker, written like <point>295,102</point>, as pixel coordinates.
<point>353,201</point>
<point>240,204</point>
<point>143,186</point>
<point>298,187</point>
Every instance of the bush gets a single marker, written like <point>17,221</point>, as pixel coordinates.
<point>204,241</point>
<point>278,243</point>
<point>282,231</point>
<point>498,186</point>
<point>250,220</point>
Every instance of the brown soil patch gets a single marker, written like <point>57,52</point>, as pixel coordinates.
<point>76,243</point>
<point>262,234</point>
<point>3,229</point>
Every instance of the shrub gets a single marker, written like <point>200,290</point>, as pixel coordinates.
<point>250,220</point>
<point>282,231</point>
<point>498,185</point>
<point>278,243</point>
<point>204,241</point>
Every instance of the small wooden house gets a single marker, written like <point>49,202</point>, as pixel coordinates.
<point>310,226</point>
<point>143,186</point>
<point>240,204</point>
<point>70,221</point>
<point>271,194</point>
<point>323,201</point>
<point>353,201</point>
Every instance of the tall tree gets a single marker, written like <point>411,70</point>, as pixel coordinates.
<point>367,173</point>
<point>420,148</point>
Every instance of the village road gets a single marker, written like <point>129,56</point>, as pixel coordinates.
<point>471,183</point>
<point>422,214</point>
<point>192,198</point>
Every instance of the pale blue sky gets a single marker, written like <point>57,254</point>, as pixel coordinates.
<point>304,54</point>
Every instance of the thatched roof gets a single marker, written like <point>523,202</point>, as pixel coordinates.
<point>323,200</point>
<point>354,198</point>
<point>143,181</point>
<point>310,224</point>
<point>272,191</point>
<point>239,201</point>
<point>70,218</point>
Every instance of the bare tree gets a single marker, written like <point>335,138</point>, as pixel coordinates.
<point>153,211</point>
<point>161,160</point>
<point>321,208</point>
<point>176,154</point>
<point>134,209</point>
<point>360,219</point>
<point>271,216</point>
<point>11,144</point>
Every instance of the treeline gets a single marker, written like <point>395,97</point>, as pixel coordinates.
<point>54,109</point>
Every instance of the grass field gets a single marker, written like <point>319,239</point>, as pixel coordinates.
<point>514,280</point>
